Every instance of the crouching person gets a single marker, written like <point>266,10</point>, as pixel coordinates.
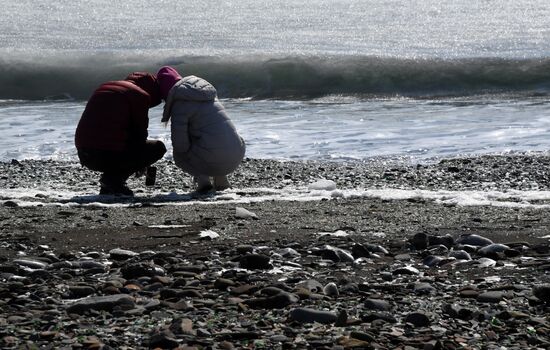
<point>204,140</point>
<point>111,136</point>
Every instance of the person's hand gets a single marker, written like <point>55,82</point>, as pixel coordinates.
<point>140,172</point>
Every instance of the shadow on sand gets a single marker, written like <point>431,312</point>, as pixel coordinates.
<point>143,200</point>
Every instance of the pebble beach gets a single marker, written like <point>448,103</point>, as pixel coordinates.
<point>449,254</point>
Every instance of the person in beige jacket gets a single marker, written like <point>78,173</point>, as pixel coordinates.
<point>205,142</point>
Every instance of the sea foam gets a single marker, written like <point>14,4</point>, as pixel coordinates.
<point>510,199</point>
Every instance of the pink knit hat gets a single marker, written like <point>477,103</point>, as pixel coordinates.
<point>167,78</point>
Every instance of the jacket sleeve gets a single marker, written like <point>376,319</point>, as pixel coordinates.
<point>139,118</point>
<point>180,135</point>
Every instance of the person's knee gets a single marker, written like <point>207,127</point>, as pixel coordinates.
<point>158,149</point>
<point>161,147</point>
<point>92,160</point>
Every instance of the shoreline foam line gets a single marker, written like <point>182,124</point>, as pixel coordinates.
<point>508,198</point>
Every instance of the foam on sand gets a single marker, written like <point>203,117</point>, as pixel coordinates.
<point>28,197</point>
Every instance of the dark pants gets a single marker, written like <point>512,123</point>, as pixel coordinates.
<point>118,166</point>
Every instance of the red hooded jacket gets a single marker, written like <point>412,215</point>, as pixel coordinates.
<point>116,116</point>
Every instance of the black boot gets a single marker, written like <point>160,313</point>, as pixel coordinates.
<point>114,185</point>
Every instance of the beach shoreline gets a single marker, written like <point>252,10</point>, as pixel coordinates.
<point>398,218</point>
<point>302,240</point>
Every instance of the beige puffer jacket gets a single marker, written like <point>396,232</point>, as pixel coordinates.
<point>204,140</point>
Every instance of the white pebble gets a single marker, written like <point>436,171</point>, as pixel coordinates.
<point>322,185</point>
<point>209,234</point>
<point>242,213</point>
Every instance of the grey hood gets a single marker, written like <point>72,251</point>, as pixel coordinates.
<point>190,88</point>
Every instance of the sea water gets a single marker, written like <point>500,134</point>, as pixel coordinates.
<point>330,80</point>
<point>397,128</point>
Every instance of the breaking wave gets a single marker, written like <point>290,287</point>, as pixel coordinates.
<point>301,77</point>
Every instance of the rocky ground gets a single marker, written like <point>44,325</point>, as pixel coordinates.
<point>342,273</point>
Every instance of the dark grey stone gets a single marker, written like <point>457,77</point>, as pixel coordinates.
<point>460,255</point>
<point>223,283</point>
<point>244,249</point>
<point>446,240</point>
<point>277,301</point>
<point>360,251</point>
<point>134,271</point>
<point>307,315</point>
<point>419,241</point>
<point>81,291</point>
<point>473,239</point>
<point>10,204</point>
<point>106,303</point>
<point>439,249</point>
<point>255,262</point>
<point>331,289</point>
<point>336,254</point>
<point>432,260</point>
<point>407,270</point>
<point>493,249</point>
<point>456,311</point>
<point>364,336</point>
<point>542,292</point>
<point>121,254</point>
<point>377,304</point>
<point>491,297</point>
<point>418,319</point>
<point>423,288</point>
<point>375,248</point>
<point>33,264</point>
<point>162,341</point>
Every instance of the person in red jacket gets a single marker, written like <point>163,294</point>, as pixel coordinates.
<point>111,136</point>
